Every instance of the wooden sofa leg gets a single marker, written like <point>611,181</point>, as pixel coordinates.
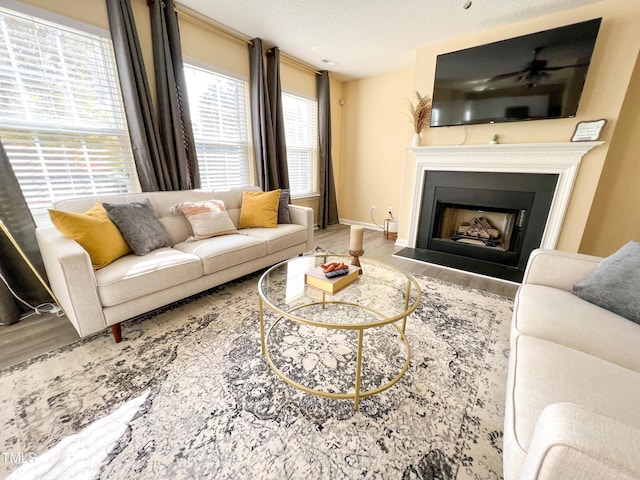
<point>117,332</point>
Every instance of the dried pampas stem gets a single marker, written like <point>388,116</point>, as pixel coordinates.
<point>420,112</point>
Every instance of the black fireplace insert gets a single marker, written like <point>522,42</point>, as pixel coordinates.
<point>482,222</point>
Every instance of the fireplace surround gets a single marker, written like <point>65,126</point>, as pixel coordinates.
<point>521,188</point>
<point>484,222</point>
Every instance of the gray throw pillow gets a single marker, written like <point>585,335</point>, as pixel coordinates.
<point>139,225</point>
<point>615,283</point>
<point>283,206</point>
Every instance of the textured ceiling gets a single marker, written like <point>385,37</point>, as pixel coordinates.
<point>367,37</point>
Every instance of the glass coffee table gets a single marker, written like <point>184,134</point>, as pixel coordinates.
<point>315,340</point>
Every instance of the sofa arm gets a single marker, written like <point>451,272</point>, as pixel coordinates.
<point>72,280</point>
<point>573,443</point>
<point>303,216</point>
<point>554,268</point>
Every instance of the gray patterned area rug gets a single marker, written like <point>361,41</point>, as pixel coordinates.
<point>187,395</point>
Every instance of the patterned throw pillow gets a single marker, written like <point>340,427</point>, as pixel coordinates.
<point>139,225</point>
<point>94,231</point>
<point>208,218</point>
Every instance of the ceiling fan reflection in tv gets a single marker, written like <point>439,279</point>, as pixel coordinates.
<point>535,76</point>
<point>534,71</point>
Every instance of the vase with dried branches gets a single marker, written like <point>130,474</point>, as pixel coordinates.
<point>420,116</point>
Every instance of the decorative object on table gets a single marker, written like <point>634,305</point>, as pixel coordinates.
<point>420,116</point>
<point>390,230</point>
<point>332,281</point>
<point>354,258</point>
<point>334,269</point>
<point>355,245</point>
<point>588,131</point>
<point>494,140</point>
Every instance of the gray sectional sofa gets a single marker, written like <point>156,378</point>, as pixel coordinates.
<point>132,285</point>
<point>573,393</point>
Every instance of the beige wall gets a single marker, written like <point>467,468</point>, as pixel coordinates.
<point>615,215</point>
<point>375,131</point>
<point>376,149</point>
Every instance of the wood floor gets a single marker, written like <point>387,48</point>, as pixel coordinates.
<point>43,333</point>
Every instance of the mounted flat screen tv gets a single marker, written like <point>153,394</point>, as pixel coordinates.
<point>532,77</point>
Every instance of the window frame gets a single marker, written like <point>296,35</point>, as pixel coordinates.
<point>214,70</point>
<point>41,127</point>
<point>315,193</point>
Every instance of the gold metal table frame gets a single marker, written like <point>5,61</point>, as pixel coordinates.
<point>327,301</point>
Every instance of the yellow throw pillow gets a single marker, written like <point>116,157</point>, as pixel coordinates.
<point>259,209</point>
<point>94,231</point>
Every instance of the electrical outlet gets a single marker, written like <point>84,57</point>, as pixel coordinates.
<point>373,207</point>
<point>390,210</point>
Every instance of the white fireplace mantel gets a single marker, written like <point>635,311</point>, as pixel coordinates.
<point>556,158</point>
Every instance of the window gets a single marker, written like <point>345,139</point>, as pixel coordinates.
<point>301,130</point>
<point>62,122</point>
<point>219,117</point>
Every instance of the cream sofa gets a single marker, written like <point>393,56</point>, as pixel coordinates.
<point>132,285</point>
<point>573,394</point>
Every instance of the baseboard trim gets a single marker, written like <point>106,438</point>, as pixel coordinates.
<point>370,226</point>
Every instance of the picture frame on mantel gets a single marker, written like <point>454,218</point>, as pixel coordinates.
<point>588,131</point>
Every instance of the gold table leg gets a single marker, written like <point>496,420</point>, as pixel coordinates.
<point>356,400</point>
<point>261,308</point>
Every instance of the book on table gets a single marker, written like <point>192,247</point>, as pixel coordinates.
<point>316,278</point>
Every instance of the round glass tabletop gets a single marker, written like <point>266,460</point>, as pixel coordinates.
<point>382,294</point>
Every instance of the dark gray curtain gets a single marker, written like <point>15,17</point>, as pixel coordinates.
<point>147,150</point>
<point>17,219</point>
<point>328,204</point>
<point>261,127</point>
<point>278,168</point>
<point>266,118</point>
<point>174,119</point>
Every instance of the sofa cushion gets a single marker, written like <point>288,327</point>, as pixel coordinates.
<point>561,317</point>
<point>132,276</point>
<point>218,253</point>
<point>139,225</point>
<point>208,218</point>
<point>259,209</point>
<point>615,283</point>
<point>284,216</point>
<point>277,239</point>
<point>94,231</point>
<point>546,373</point>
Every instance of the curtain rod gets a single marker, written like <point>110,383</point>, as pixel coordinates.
<point>197,17</point>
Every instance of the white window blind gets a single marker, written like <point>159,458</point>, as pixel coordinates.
<point>301,131</point>
<point>62,124</point>
<point>219,116</point>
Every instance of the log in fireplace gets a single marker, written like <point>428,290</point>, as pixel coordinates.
<point>482,222</point>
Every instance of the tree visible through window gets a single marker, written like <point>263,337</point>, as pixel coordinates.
<point>301,131</point>
<point>218,105</point>
<point>62,124</point>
